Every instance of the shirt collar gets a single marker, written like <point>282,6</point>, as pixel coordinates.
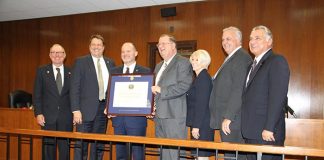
<point>61,67</point>
<point>260,56</point>
<point>131,68</point>
<point>168,61</point>
<point>232,53</point>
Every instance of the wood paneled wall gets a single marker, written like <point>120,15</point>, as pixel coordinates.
<point>296,25</point>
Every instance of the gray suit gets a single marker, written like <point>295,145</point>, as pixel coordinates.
<point>226,97</point>
<point>171,105</point>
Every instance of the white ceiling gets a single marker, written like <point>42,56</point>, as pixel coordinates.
<point>29,9</point>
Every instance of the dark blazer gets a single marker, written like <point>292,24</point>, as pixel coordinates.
<point>84,90</point>
<point>130,121</point>
<point>226,96</point>
<point>264,98</point>
<point>198,115</point>
<point>47,100</point>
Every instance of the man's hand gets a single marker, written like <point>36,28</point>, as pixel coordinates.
<point>156,89</point>
<point>267,135</point>
<point>195,133</point>
<point>106,113</point>
<point>77,117</point>
<point>153,114</point>
<point>40,120</point>
<point>226,126</point>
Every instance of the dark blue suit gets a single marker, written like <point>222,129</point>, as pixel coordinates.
<point>263,101</point>
<point>129,125</point>
<point>198,113</point>
<point>55,108</point>
<point>84,95</point>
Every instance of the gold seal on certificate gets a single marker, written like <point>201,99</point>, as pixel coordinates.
<point>130,86</point>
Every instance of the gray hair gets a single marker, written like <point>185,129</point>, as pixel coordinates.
<point>268,34</point>
<point>236,30</point>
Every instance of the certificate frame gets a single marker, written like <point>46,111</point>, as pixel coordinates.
<point>125,86</point>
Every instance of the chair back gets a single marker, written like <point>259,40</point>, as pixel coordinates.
<point>20,99</point>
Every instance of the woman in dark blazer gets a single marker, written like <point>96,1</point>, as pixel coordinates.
<point>198,114</point>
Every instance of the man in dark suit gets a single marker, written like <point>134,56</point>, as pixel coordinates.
<point>89,83</point>
<point>228,83</point>
<point>129,125</point>
<point>263,100</point>
<point>52,102</point>
<point>173,80</point>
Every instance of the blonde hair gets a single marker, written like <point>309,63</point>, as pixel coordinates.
<point>203,57</point>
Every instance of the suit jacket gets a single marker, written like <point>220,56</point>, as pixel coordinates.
<point>130,121</point>
<point>47,100</point>
<point>175,81</point>
<point>84,90</point>
<point>264,98</point>
<point>226,97</point>
<point>198,114</point>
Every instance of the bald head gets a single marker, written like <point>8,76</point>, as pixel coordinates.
<point>128,53</point>
<point>57,55</point>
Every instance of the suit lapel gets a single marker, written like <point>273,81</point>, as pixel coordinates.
<point>225,63</point>
<point>108,64</point>
<point>51,77</point>
<point>170,65</point>
<point>258,66</point>
<point>92,68</point>
<point>50,73</point>
<point>67,74</point>
<point>136,69</point>
<point>120,69</point>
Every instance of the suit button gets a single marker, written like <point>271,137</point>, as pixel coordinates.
<point>58,107</point>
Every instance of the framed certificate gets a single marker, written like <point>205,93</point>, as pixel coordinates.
<point>130,94</point>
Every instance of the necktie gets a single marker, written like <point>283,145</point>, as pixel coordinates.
<point>59,80</point>
<point>253,66</point>
<point>100,81</point>
<point>251,70</point>
<point>158,76</point>
<point>127,70</point>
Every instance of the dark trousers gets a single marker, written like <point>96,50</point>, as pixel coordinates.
<point>98,125</point>
<point>234,137</point>
<point>253,156</point>
<point>137,149</point>
<point>49,149</point>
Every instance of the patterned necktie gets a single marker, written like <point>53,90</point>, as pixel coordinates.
<point>59,80</point>
<point>251,70</point>
<point>100,81</point>
<point>127,70</point>
<point>158,76</point>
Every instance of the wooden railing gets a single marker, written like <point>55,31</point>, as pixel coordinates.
<point>260,149</point>
<point>305,133</point>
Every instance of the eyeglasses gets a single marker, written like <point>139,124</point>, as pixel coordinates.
<point>96,45</point>
<point>57,52</point>
<point>163,44</point>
